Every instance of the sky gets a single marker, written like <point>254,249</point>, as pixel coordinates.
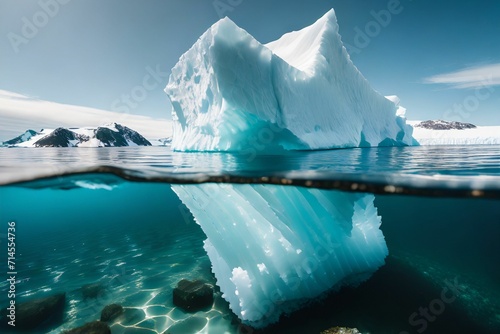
<point>112,59</point>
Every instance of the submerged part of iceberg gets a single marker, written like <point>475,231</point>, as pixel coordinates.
<point>273,248</point>
<point>230,93</point>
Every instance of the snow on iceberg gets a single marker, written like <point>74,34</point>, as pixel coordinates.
<point>231,93</point>
<point>273,248</point>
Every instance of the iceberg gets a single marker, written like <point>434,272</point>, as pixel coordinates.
<point>231,93</point>
<point>275,248</point>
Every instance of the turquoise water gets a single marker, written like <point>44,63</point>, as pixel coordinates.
<point>126,230</point>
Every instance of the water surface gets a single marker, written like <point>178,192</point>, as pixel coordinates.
<point>109,216</point>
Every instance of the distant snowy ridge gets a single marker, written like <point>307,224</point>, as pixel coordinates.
<point>161,142</point>
<point>231,93</point>
<point>440,132</point>
<point>19,112</point>
<point>20,139</point>
<point>111,135</point>
<point>444,125</point>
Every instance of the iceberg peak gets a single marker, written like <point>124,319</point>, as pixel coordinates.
<point>224,23</point>
<point>303,49</point>
<point>231,93</point>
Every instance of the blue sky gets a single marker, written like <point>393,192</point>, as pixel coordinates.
<point>440,57</point>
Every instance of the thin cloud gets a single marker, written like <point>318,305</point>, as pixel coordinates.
<point>472,77</point>
<point>19,113</point>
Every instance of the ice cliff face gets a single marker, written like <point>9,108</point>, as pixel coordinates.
<point>231,93</point>
<point>273,248</point>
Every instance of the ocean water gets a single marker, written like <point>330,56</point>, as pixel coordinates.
<point>108,216</point>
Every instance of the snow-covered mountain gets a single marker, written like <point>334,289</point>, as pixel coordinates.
<point>444,125</point>
<point>61,137</point>
<point>112,135</point>
<point>20,139</point>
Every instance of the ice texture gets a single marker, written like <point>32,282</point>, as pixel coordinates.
<point>231,93</point>
<point>274,248</point>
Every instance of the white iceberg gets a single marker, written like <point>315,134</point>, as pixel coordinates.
<point>273,248</point>
<point>231,93</point>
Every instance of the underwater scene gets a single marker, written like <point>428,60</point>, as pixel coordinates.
<point>147,240</point>
<point>250,167</point>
